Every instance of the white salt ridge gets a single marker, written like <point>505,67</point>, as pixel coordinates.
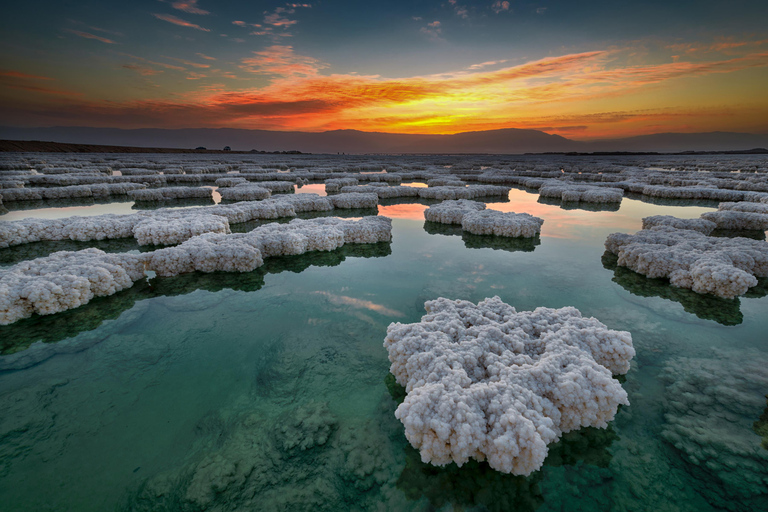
<point>230,182</point>
<point>492,222</point>
<point>700,225</point>
<point>354,200</point>
<point>383,190</point>
<point>452,211</point>
<point>100,190</point>
<point>245,192</point>
<point>469,192</point>
<point>489,383</point>
<point>726,267</point>
<point>333,185</point>
<point>165,193</point>
<point>570,192</point>
<point>740,216</point>
<point>66,280</point>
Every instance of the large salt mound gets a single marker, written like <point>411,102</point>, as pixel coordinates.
<point>487,382</point>
<point>173,229</point>
<point>354,200</point>
<point>62,281</point>
<point>160,194</point>
<point>469,192</point>
<point>725,267</point>
<point>336,184</point>
<point>452,211</point>
<point>582,193</point>
<point>245,192</point>
<point>492,222</point>
<point>739,219</point>
<point>383,190</point>
<point>700,225</point>
<point>66,280</point>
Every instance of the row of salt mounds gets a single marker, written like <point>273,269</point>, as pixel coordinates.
<point>100,190</point>
<point>469,192</point>
<point>230,182</point>
<point>700,225</point>
<point>66,280</point>
<point>384,192</point>
<point>161,194</point>
<point>245,192</point>
<point>109,226</point>
<point>486,382</point>
<point>725,267</point>
<point>740,216</point>
<point>582,193</point>
<point>475,219</point>
<point>333,185</point>
<point>354,200</point>
<point>716,194</point>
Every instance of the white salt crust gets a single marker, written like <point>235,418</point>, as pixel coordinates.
<point>382,190</point>
<point>571,192</point>
<point>700,225</point>
<point>486,382</point>
<point>354,200</point>
<point>739,219</point>
<point>161,194</point>
<point>452,211</point>
<point>469,192</point>
<point>335,184</point>
<point>99,190</point>
<point>244,192</point>
<point>726,267</point>
<point>66,280</point>
<point>492,222</point>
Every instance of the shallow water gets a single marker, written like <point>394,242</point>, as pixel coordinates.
<point>270,390</point>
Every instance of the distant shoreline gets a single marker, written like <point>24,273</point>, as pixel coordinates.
<point>36,146</point>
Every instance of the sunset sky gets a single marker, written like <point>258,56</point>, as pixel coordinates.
<point>583,70</point>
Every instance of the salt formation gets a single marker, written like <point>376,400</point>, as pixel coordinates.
<point>383,190</point>
<point>582,193</point>
<point>354,200</point>
<point>66,280</point>
<point>62,281</point>
<point>335,184</point>
<point>740,216</point>
<point>102,190</point>
<point>230,182</point>
<point>487,382</point>
<point>245,192</point>
<point>469,192</point>
<point>725,267</point>
<point>492,222</point>
<point>452,211</point>
<point>700,225</point>
<point>164,193</point>
<point>173,229</point>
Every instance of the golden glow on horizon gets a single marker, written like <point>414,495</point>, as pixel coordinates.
<point>691,88</point>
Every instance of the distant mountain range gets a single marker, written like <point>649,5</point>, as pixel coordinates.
<point>506,141</point>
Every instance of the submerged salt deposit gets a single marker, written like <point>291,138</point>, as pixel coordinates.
<point>487,382</point>
<point>475,219</point>
<point>726,267</point>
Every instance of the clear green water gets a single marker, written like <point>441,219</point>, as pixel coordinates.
<point>271,391</point>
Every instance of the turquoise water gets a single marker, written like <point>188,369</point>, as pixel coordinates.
<point>271,391</point>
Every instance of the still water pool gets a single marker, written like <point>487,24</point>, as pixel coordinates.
<point>271,391</point>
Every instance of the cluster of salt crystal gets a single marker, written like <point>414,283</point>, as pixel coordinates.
<point>740,216</point>
<point>173,229</point>
<point>492,222</point>
<point>164,193</point>
<point>726,267</point>
<point>245,192</point>
<point>66,280</point>
<point>445,182</point>
<point>354,200</point>
<point>700,225</point>
<point>100,190</point>
<point>452,211</point>
<point>487,382</point>
<point>469,192</point>
<point>63,280</point>
<point>230,182</point>
<point>382,190</point>
<point>570,192</point>
<point>335,184</point>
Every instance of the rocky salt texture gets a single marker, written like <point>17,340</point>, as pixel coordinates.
<point>726,267</point>
<point>700,225</point>
<point>469,192</point>
<point>354,200</point>
<point>571,192</point>
<point>164,193</point>
<point>67,279</point>
<point>486,382</point>
<point>244,192</point>
<point>475,219</point>
<point>740,216</point>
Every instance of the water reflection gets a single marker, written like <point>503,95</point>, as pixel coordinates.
<point>580,205</point>
<point>173,203</point>
<point>704,306</point>
<point>503,243</point>
<point>52,328</point>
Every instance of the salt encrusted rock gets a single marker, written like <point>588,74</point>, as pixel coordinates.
<point>229,182</point>
<point>452,211</point>
<point>383,190</point>
<point>169,230</point>
<point>276,186</point>
<point>335,184</point>
<point>102,190</point>
<point>245,192</point>
<point>354,200</point>
<point>445,182</point>
<point>63,280</point>
<point>739,219</point>
<point>160,194</point>
<point>66,280</point>
<point>492,222</point>
<point>469,192</point>
<point>725,267</point>
<point>582,193</point>
<point>700,225</point>
<point>487,382</point>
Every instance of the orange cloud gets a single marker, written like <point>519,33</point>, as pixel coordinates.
<point>189,6</point>
<point>179,22</point>
<point>88,35</point>
<point>19,74</point>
